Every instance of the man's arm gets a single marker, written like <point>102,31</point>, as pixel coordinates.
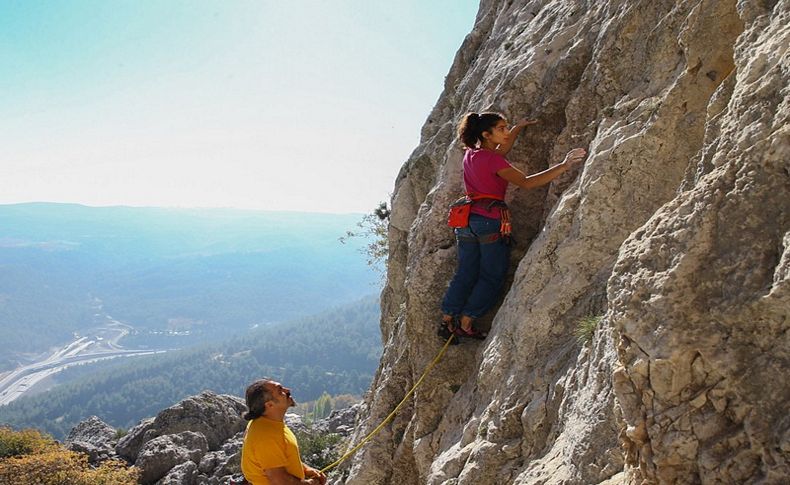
<point>279,476</point>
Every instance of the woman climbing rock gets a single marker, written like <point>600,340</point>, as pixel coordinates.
<point>483,249</point>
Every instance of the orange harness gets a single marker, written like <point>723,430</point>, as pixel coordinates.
<point>462,208</point>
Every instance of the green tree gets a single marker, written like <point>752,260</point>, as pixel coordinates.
<point>323,406</point>
<point>373,227</point>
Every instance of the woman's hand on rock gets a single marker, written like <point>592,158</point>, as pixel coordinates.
<point>575,157</point>
<point>524,122</point>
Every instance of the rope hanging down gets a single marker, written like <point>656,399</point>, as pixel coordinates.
<point>394,411</point>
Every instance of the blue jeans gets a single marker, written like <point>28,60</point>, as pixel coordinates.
<point>482,267</point>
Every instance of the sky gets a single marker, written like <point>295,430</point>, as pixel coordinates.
<point>274,105</point>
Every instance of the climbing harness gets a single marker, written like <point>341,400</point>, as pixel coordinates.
<point>460,210</point>
<point>394,411</point>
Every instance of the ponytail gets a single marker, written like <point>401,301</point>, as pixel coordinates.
<point>472,126</point>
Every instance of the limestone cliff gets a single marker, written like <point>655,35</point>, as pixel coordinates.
<point>676,231</point>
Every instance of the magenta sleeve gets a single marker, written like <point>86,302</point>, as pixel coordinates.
<point>497,162</point>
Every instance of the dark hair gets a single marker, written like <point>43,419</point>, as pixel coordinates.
<point>472,126</point>
<point>256,395</point>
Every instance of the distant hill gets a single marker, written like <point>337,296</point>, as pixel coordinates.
<point>205,273</point>
<point>336,352</point>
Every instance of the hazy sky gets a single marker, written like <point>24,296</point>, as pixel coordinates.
<point>301,105</point>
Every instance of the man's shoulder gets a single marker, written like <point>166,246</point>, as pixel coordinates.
<point>260,427</point>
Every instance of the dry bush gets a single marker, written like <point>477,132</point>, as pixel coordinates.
<point>25,442</point>
<point>32,458</point>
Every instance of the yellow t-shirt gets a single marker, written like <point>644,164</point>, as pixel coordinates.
<point>269,444</point>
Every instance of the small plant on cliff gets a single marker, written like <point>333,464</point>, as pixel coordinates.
<point>374,228</point>
<point>585,328</point>
<point>120,433</point>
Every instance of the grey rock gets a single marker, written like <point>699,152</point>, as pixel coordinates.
<point>295,423</point>
<point>183,474</point>
<point>130,445</point>
<point>93,437</point>
<point>217,417</point>
<point>159,455</point>
<point>209,462</point>
<point>225,461</point>
<point>92,430</point>
<point>96,454</point>
<point>340,421</point>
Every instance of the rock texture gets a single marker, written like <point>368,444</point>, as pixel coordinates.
<point>676,232</point>
<point>183,474</point>
<point>93,437</point>
<point>217,417</point>
<point>159,455</point>
<point>197,441</point>
<point>340,421</point>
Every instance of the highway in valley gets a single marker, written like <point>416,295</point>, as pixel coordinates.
<point>101,344</point>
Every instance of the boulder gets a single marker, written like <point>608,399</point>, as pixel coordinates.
<point>340,421</point>
<point>183,474</point>
<point>161,454</point>
<point>96,454</point>
<point>129,445</point>
<point>94,438</point>
<point>225,461</point>
<point>215,416</point>
<point>92,430</point>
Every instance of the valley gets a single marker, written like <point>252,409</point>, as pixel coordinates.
<point>100,343</point>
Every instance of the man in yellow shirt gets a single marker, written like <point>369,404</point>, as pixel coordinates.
<point>270,454</point>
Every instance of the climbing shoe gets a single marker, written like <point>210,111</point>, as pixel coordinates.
<point>444,333</point>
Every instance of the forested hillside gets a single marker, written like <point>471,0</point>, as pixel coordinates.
<point>336,352</point>
<point>178,276</point>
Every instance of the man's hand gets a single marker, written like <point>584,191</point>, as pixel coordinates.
<point>312,473</point>
<point>280,476</point>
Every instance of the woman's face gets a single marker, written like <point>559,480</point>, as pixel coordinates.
<point>498,134</point>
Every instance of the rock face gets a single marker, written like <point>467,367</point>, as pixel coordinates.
<point>676,233</point>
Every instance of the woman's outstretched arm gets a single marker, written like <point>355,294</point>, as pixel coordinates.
<point>517,177</point>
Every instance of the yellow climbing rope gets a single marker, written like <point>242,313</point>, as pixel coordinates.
<point>394,411</point>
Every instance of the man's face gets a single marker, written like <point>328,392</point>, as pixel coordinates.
<point>281,396</point>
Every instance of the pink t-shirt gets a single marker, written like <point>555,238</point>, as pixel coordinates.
<point>480,168</point>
